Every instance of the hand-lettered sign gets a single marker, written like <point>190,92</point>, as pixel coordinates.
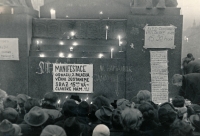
<point>73,78</point>
<point>9,49</point>
<point>159,37</point>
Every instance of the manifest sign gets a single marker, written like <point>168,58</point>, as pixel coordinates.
<point>73,78</point>
<point>159,37</point>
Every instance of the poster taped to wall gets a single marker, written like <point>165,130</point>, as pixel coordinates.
<point>9,49</point>
<point>159,76</point>
<point>159,37</point>
<point>73,78</point>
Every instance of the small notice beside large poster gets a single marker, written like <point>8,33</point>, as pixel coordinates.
<point>159,76</point>
<point>9,49</point>
<point>73,78</point>
<point>159,37</point>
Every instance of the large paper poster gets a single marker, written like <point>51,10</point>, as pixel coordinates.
<point>73,78</point>
<point>9,49</point>
<point>159,37</point>
<point>159,76</point>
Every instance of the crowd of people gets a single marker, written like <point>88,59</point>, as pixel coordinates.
<point>22,115</point>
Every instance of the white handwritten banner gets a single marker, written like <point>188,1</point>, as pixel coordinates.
<point>73,78</point>
<point>159,76</point>
<point>9,49</point>
<point>159,37</point>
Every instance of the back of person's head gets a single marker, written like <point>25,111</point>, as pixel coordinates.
<point>91,115</point>
<point>10,114</point>
<point>116,118</point>
<point>83,109</point>
<point>147,111</point>
<point>72,127</point>
<point>101,130</point>
<point>190,55</point>
<point>166,114</point>
<point>143,96</point>
<point>30,103</point>
<point>53,130</point>
<point>131,119</point>
<point>180,128</point>
<point>178,101</point>
<point>123,104</point>
<point>69,108</point>
<point>100,101</point>
<point>10,101</point>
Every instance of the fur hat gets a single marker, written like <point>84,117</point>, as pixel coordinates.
<point>36,117</point>
<point>101,130</point>
<point>10,101</point>
<point>10,114</point>
<point>147,111</point>
<point>104,114</point>
<point>143,96</point>
<point>166,114</point>
<point>53,130</point>
<point>123,104</point>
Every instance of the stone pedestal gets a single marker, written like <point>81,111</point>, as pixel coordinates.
<point>139,58</point>
<point>14,74</point>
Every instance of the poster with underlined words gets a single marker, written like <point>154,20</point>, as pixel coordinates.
<point>73,78</point>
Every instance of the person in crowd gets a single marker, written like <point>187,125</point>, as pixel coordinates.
<point>9,129</point>
<point>53,130</point>
<point>167,115</point>
<point>193,109</point>
<point>101,130</point>
<point>50,100</point>
<point>117,127</point>
<point>30,103</point>
<point>190,65</point>
<point>35,120</point>
<point>76,98</point>
<point>10,101</point>
<point>114,104</point>
<point>190,86</point>
<point>104,114</point>
<point>143,96</point>
<point>100,101</point>
<point>179,104</point>
<point>123,104</point>
<point>73,128</point>
<point>149,115</point>
<point>3,95</point>
<point>11,115</point>
<point>180,128</point>
<point>131,119</point>
<point>21,99</point>
<point>195,123</point>
<point>69,109</point>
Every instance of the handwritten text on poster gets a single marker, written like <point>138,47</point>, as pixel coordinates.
<point>73,78</point>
